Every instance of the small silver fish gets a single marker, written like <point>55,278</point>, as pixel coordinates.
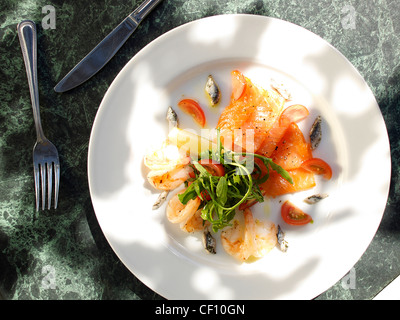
<point>172,117</point>
<point>160,200</point>
<point>316,133</point>
<point>315,198</point>
<point>209,241</point>
<point>213,91</point>
<point>282,243</point>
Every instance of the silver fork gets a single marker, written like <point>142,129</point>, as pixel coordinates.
<point>45,154</point>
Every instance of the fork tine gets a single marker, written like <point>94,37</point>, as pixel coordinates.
<point>37,188</point>
<point>43,183</point>
<point>50,183</point>
<point>56,183</point>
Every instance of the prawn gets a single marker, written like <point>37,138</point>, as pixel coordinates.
<point>194,223</point>
<point>168,180</point>
<point>189,215</point>
<point>168,167</point>
<point>177,212</point>
<point>189,218</point>
<point>165,158</point>
<point>265,237</point>
<point>254,238</point>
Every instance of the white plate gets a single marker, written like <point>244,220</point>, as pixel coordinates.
<point>131,118</point>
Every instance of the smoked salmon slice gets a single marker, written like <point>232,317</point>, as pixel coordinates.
<point>294,113</point>
<point>252,121</point>
<point>271,140</point>
<point>251,114</point>
<point>277,186</point>
<point>292,150</point>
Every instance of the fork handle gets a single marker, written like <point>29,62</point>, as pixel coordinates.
<point>28,41</point>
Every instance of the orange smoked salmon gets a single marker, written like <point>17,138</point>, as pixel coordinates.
<point>277,186</point>
<point>292,150</point>
<point>251,107</point>
<point>259,110</point>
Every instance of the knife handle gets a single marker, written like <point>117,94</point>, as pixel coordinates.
<point>143,10</point>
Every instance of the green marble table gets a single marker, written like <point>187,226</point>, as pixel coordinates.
<point>63,254</point>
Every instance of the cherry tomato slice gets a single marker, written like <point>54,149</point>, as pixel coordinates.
<point>213,167</point>
<point>193,108</point>
<point>239,84</point>
<point>318,166</point>
<point>204,193</point>
<point>294,113</point>
<point>293,215</point>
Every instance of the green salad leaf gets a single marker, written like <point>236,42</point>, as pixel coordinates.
<point>221,195</point>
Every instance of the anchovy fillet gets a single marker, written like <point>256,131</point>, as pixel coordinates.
<point>209,241</point>
<point>160,200</point>
<point>315,198</point>
<point>282,243</point>
<point>172,117</point>
<point>213,90</point>
<point>316,133</point>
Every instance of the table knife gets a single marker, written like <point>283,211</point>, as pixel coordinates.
<point>106,49</point>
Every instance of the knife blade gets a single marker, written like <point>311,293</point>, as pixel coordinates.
<point>106,49</point>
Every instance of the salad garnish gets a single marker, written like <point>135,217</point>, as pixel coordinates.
<point>222,194</point>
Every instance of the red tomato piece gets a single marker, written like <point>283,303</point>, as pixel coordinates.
<point>238,85</point>
<point>193,108</point>
<point>318,166</point>
<point>213,167</point>
<point>294,113</point>
<point>293,215</point>
<point>205,195</point>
